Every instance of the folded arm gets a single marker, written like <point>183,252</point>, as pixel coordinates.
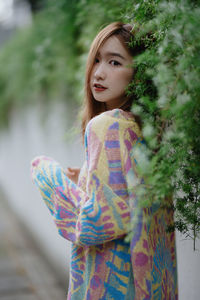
<point>102,212</point>
<point>80,218</point>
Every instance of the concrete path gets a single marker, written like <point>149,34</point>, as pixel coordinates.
<point>24,272</point>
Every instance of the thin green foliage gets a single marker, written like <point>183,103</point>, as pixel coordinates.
<point>170,116</point>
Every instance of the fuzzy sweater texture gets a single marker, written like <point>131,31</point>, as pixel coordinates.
<point>95,213</point>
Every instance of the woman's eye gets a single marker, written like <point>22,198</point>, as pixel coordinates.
<point>96,61</point>
<point>114,63</point>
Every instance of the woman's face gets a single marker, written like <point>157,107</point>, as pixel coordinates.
<point>111,73</point>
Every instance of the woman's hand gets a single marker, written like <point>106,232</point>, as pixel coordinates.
<point>73,173</point>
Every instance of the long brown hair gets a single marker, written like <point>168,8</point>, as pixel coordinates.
<point>91,107</point>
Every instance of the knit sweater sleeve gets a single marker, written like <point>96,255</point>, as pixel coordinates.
<point>102,212</point>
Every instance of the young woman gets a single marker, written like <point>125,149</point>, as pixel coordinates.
<point>93,209</point>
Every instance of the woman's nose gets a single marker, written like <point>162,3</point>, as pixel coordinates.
<point>99,72</point>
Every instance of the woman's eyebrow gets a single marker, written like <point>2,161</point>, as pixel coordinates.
<point>112,54</point>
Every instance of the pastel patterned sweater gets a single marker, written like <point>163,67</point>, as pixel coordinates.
<point>94,215</point>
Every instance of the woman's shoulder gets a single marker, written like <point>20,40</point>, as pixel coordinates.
<point>119,113</point>
<point>114,117</point>
<point>116,114</point>
<point>112,125</point>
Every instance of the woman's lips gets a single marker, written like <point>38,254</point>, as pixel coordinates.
<point>99,87</point>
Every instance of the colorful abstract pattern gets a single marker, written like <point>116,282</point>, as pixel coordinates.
<point>94,215</point>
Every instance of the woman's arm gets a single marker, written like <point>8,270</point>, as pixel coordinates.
<point>80,218</point>
<point>102,213</point>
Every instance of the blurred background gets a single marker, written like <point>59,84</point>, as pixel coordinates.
<point>43,49</point>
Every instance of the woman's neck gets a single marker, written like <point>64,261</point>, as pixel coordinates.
<point>125,105</point>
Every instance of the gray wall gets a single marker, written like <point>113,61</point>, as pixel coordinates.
<point>26,139</point>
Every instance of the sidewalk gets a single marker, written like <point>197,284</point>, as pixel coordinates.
<point>24,273</point>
